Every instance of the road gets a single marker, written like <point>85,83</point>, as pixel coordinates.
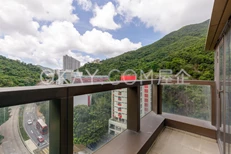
<point>33,133</point>
<point>12,143</point>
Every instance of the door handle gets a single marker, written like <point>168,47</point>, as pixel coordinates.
<point>219,93</point>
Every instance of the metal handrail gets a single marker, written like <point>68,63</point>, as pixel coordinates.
<point>11,96</point>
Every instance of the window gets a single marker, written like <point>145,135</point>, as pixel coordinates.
<point>118,128</point>
<point>145,95</point>
<point>119,93</point>
<point>112,126</point>
<point>146,90</point>
<point>122,120</point>
<point>146,100</point>
<point>120,115</point>
<point>119,98</point>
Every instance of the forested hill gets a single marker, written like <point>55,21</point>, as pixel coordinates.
<point>16,73</point>
<point>180,49</point>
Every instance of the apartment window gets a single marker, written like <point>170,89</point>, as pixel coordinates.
<point>146,104</point>
<point>112,132</point>
<point>118,128</point>
<point>145,95</point>
<point>119,104</point>
<point>120,115</point>
<point>122,120</point>
<point>119,109</point>
<point>146,90</point>
<point>146,100</point>
<point>119,93</point>
<point>112,126</point>
<point>119,98</point>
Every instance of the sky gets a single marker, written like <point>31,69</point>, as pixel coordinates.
<point>42,31</point>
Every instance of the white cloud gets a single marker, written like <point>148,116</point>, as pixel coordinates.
<point>168,15</point>
<point>104,17</point>
<point>18,45</point>
<point>61,38</point>
<point>19,15</point>
<point>99,42</point>
<point>15,17</point>
<point>86,4</point>
<point>50,10</point>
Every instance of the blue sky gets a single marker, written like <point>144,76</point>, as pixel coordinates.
<point>136,31</point>
<point>41,32</point>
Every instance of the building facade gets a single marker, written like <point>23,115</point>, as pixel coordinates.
<point>82,100</point>
<point>89,79</point>
<point>70,63</point>
<point>79,78</point>
<point>96,61</point>
<point>68,75</point>
<point>118,121</point>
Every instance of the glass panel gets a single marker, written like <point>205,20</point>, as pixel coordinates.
<point>98,118</point>
<point>187,100</point>
<point>221,74</point>
<point>145,99</point>
<point>24,129</point>
<point>228,91</point>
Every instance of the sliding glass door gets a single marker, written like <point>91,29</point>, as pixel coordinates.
<point>224,88</point>
<point>221,97</point>
<point>227,94</point>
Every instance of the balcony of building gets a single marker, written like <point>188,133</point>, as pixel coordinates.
<point>169,126</point>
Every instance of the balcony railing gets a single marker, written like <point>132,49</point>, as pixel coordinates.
<point>61,112</point>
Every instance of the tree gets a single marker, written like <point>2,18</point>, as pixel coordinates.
<point>16,73</point>
<point>187,100</point>
<point>91,123</point>
<point>44,109</point>
<point>182,49</point>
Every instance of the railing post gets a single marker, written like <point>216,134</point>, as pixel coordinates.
<point>157,98</point>
<point>133,108</point>
<point>61,126</point>
<point>213,104</point>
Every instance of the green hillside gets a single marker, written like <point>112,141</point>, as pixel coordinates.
<point>180,49</point>
<point>16,73</point>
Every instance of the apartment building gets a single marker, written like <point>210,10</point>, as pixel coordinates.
<point>118,121</point>
<point>70,63</point>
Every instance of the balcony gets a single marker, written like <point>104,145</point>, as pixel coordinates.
<point>142,134</point>
<point>176,141</point>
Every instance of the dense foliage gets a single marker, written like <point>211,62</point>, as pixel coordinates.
<point>20,122</point>
<point>44,109</point>
<point>182,49</point>
<point>4,114</point>
<point>91,122</point>
<point>190,101</point>
<point>16,73</point>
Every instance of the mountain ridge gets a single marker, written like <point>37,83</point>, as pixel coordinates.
<point>181,49</point>
<point>16,73</point>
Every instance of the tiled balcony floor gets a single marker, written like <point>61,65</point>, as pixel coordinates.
<point>174,141</point>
